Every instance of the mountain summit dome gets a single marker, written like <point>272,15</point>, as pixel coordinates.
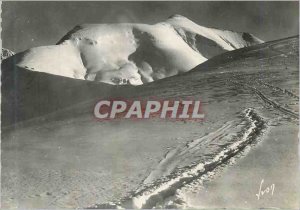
<point>130,53</point>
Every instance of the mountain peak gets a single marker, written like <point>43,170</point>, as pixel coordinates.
<point>133,53</point>
<point>6,53</point>
<point>177,16</point>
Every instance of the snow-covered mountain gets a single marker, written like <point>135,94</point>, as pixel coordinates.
<point>6,53</point>
<point>132,53</point>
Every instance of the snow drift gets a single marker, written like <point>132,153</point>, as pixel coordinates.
<point>132,53</point>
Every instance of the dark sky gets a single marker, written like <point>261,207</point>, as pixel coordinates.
<point>30,24</point>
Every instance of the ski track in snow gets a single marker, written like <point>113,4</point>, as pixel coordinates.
<point>158,186</point>
<point>269,101</point>
<point>285,91</point>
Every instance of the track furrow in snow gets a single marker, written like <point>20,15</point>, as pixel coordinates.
<point>151,195</point>
<point>269,101</point>
<point>285,91</point>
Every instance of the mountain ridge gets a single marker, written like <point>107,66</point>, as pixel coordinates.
<point>127,53</point>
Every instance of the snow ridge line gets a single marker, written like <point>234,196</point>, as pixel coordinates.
<point>158,192</point>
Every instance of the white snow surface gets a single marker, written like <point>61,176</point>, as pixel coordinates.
<point>134,54</point>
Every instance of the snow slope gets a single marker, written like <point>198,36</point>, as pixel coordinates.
<point>66,159</point>
<point>132,53</point>
<point>34,94</point>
